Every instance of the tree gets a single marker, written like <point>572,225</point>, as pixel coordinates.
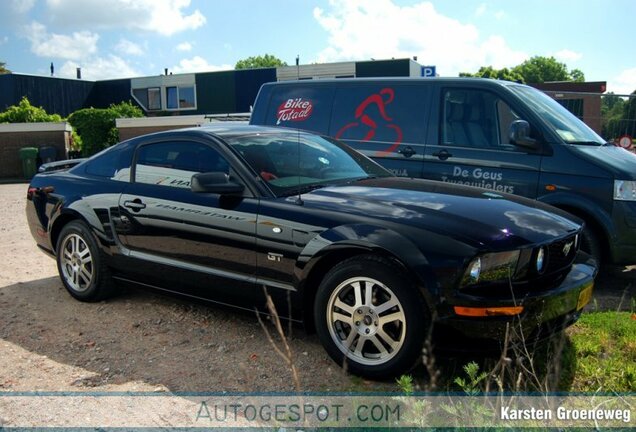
<point>24,112</point>
<point>540,69</point>
<point>263,61</point>
<point>490,72</point>
<point>3,69</point>
<point>537,69</point>
<point>96,126</point>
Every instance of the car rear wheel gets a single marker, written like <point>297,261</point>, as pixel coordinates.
<point>370,317</point>
<point>81,265</point>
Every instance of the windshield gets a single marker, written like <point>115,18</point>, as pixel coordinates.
<point>569,127</point>
<point>290,163</point>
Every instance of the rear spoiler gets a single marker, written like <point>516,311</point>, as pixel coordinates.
<point>60,165</point>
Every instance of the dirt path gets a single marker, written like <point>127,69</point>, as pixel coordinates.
<point>140,341</point>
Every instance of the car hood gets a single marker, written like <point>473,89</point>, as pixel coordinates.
<point>472,215</point>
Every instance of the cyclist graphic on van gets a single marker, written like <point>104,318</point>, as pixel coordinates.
<point>365,121</point>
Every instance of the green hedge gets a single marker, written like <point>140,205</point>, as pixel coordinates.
<point>24,112</point>
<point>96,126</point>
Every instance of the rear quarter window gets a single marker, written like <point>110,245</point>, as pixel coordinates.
<point>301,107</point>
<point>113,163</point>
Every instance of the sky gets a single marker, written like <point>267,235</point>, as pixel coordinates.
<point>128,38</point>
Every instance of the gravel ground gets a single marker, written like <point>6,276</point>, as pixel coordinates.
<point>140,341</point>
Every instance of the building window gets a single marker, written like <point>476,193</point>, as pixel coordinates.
<point>171,98</point>
<point>166,97</point>
<point>154,98</point>
<point>142,96</point>
<point>186,97</point>
<point>180,97</point>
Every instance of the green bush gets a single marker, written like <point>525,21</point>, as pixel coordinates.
<point>96,126</point>
<point>24,112</point>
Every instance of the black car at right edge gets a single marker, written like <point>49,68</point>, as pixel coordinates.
<point>371,261</point>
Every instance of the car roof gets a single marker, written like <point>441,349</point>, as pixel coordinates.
<point>226,131</point>
<point>219,130</point>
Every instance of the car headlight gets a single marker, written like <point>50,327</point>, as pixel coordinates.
<point>491,267</point>
<point>540,260</point>
<point>625,190</point>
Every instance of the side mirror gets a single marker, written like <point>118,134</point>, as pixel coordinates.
<point>519,134</point>
<point>215,182</point>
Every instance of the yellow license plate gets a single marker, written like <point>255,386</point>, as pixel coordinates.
<point>585,296</point>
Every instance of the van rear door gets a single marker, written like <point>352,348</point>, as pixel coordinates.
<point>472,145</point>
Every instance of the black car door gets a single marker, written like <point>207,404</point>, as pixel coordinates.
<point>201,244</point>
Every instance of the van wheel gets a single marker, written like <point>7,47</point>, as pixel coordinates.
<point>80,263</point>
<point>370,318</point>
<point>591,243</point>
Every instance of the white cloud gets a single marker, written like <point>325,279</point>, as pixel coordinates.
<point>4,40</point>
<point>481,9</point>
<point>166,17</point>
<point>380,29</point>
<point>124,46</point>
<point>73,47</point>
<point>500,15</point>
<point>198,64</point>
<point>22,6</point>
<point>99,68</point>
<point>184,46</point>
<point>566,55</point>
<point>624,82</point>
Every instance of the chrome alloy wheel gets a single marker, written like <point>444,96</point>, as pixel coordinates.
<point>76,262</point>
<point>366,321</point>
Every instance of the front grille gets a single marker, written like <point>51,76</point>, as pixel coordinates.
<point>561,254</point>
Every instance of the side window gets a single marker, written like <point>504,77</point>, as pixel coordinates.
<point>476,119</point>
<point>174,163</point>
<point>113,163</point>
<point>390,114</point>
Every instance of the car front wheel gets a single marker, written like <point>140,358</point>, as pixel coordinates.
<point>81,265</point>
<point>370,317</point>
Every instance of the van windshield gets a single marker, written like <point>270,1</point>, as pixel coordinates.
<point>566,125</point>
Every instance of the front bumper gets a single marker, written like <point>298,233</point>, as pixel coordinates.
<point>544,314</point>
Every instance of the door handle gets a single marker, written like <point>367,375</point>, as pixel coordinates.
<point>135,205</point>
<point>407,151</point>
<point>442,154</point>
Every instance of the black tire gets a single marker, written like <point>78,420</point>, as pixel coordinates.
<point>81,264</point>
<point>591,243</point>
<point>343,321</point>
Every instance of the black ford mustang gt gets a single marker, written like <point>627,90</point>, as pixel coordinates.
<point>369,260</point>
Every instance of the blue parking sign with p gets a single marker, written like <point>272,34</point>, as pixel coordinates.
<point>428,71</point>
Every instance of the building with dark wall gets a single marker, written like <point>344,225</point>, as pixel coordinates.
<point>56,95</point>
<point>181,94</point>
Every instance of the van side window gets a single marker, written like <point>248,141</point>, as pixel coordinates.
<point>477,119</point>
<point>388,114</point>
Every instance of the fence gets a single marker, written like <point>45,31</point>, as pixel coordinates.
<point>611,116</point>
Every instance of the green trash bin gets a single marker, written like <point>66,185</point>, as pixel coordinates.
<point>28,156</point>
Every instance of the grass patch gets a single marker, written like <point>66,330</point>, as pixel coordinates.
<point>597,354</point>
<point>604,345</point>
